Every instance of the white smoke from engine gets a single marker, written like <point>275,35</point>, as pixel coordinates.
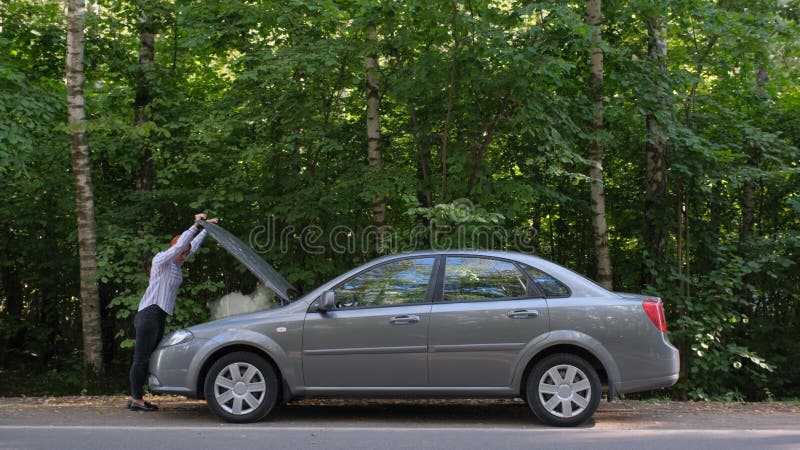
<point>237,303</point>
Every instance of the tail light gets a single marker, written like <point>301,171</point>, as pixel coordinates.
<point>655,311</point>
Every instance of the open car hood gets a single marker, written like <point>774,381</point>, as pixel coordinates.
<point>247,256</point>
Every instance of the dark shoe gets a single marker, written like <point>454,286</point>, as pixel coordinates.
<point>146,407</point>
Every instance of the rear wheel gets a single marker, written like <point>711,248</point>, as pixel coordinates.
<point>563,390</point>
<point>241,387</point>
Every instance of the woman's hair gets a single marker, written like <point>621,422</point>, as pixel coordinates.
<point>148,265</point>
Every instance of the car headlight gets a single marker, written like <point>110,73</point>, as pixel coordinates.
<point>179,337</point>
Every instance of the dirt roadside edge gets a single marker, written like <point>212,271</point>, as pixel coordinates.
<point>624,414</point>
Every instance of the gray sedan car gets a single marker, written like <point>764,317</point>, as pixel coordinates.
<point>425,324</point>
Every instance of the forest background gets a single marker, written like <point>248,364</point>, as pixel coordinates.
<point>651,145</point>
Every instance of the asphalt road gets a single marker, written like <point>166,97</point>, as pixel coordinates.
<point>104,423</point>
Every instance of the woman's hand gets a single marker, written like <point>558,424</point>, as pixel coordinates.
<point>201,216</point>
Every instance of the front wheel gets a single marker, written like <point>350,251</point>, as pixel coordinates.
<point>241,387</point>
<point>563,390</point>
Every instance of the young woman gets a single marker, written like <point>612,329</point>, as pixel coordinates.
<point>158,302</point>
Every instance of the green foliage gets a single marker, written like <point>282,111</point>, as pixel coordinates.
<point>258,117</point>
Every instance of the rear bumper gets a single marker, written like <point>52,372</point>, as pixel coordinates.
<point>646,384</point>
<point>664,370</point>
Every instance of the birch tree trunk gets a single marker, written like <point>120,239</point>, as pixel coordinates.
<point>374,128</point>
<point>655,152</point>
<point>84,197</point>
<point>596,151</point>
<point>144,96</point>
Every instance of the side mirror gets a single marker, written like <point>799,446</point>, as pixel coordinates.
<point>327,302</point>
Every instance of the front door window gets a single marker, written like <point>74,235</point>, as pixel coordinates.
<point>396,283</point>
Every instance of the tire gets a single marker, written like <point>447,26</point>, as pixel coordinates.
<point>563,390</point>
<point>241,387</point>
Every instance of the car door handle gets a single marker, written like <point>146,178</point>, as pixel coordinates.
<point>523,314</point>
<point>404,320</point>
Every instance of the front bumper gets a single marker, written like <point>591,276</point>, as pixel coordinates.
<point>173,369</point>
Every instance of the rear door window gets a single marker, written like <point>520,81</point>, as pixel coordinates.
<point>468,278</point>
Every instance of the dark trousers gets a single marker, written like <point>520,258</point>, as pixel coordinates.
<point>149,325</point>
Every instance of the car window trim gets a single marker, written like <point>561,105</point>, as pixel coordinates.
<point>436,276</point>
<point>516,264</point>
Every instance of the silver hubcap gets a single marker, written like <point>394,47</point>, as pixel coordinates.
<point>564,391</point>
<point>240,388</point>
